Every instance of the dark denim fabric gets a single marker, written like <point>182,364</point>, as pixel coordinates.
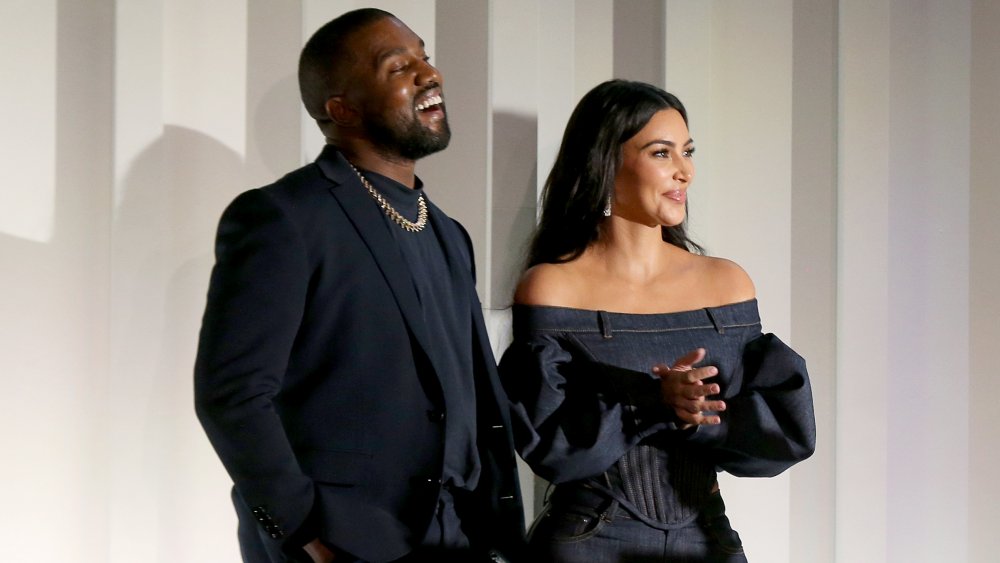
<point>604,532</point>
<point>588,415</point>
<point>584,394</point>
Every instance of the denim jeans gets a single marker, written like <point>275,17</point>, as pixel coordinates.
<point>606,533</point>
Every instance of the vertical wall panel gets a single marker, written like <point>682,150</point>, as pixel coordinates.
<point>984,306</point>
<point>639,29</point>
<point>56,162</point>
<point>204,68</point>
<point>139,95</point>
<point>863,251</point>
<point>273,129</point>
<point>76,400</point>
<point>27,110</point>
<point>593,40</point>
<point>928,279</point>
<point>557,66</point>
<point>814,265</point>
<point>514,32</point>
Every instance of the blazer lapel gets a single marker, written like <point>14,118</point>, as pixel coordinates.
<point>456,253</point>
<point>459,257</point>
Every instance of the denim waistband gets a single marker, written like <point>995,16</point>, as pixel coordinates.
<point>565,319</point>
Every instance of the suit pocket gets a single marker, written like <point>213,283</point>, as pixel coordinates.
<point>334,467</point>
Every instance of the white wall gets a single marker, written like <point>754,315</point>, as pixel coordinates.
<point>845,160</point>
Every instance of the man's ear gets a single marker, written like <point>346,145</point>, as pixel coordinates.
<point>342,112</point>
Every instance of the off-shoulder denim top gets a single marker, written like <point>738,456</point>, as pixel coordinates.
<point>588,410</point>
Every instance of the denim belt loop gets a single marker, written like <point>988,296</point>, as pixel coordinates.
<point>605,321</point>
<point>716,321</point>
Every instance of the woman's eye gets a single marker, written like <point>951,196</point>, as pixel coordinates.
<point>689,153</point>
<point>662,154</point>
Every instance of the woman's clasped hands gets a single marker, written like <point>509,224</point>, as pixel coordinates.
<point>684,388</point>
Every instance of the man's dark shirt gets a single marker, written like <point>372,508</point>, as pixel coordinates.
<point>448,321</point>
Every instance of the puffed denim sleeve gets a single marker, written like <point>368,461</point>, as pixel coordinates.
<point>768,424</point>
<point>573,417</point>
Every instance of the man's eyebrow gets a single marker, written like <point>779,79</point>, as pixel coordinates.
<point>393,52</point>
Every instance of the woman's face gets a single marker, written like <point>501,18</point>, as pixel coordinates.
<point>657,168</point>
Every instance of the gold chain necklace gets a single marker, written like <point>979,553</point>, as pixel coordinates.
<point>390,211</point>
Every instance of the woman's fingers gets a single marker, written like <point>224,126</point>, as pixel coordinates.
<point>685,389</point>
<point>698,390</point>
<point>687,361</point>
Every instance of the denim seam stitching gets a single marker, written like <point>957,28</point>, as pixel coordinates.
<point>639,330</point>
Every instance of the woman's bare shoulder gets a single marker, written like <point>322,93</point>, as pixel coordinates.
<point>728,281</point>
<point>546,284</point>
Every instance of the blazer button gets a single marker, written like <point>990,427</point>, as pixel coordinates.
<point>435,416</point>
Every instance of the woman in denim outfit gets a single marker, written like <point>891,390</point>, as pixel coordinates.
<point>638,368</point>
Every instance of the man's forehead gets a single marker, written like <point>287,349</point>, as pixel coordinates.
<point>385,38</point>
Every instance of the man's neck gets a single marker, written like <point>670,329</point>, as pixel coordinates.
<point>398,169</point>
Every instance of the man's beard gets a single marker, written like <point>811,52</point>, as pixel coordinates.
<point>410,139</point>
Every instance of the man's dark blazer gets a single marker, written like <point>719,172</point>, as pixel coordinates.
<point>315,378</point>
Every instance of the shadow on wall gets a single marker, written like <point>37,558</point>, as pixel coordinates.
<point>274,145</point>
<point>174,193</point>
<point>515,203</point>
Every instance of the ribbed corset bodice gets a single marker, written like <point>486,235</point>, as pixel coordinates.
<point>667,485</point>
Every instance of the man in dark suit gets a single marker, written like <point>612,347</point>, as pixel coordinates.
<point>344,374</point>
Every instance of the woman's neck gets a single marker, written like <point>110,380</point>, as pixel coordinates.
<point>633,252</point>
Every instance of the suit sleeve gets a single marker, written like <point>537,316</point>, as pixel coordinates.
<point>255,304</point>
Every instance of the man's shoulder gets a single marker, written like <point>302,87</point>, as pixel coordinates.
<point>295,196</point>
<point>303,182</point>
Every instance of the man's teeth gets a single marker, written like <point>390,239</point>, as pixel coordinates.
<point>432,101</point>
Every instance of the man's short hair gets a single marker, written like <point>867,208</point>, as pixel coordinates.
<point>322,61</point>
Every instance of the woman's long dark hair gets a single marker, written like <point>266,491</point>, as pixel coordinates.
<point>583,176</point>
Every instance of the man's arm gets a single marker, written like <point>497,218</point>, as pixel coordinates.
<point>255,303</point>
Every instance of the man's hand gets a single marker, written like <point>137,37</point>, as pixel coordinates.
<point>319,552</point>
<point>684,389</point>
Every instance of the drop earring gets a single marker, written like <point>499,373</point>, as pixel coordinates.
<point>607,208</point>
